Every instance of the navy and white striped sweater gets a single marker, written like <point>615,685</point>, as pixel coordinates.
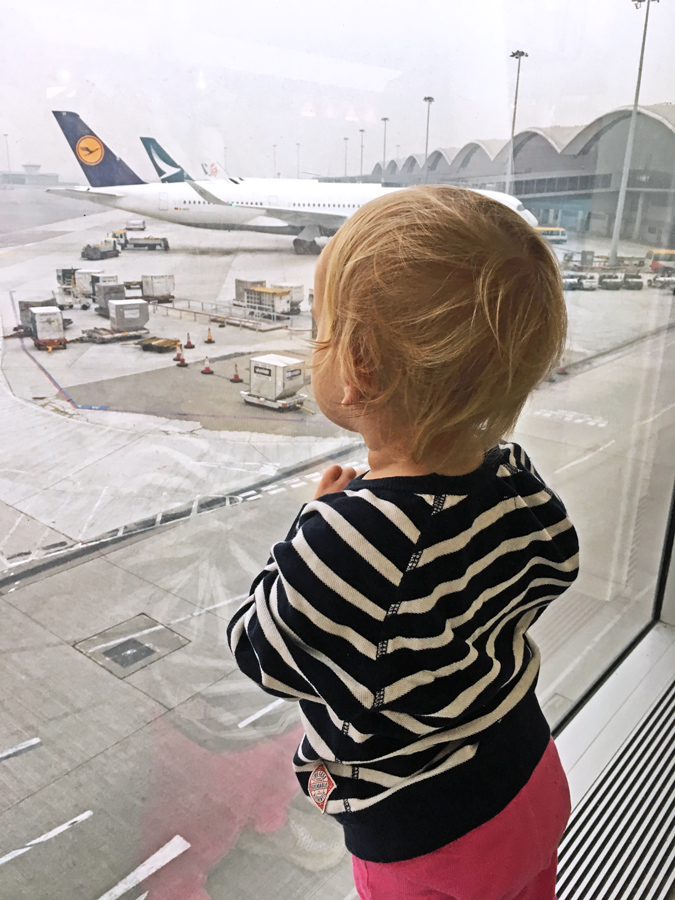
<point>396,612</point>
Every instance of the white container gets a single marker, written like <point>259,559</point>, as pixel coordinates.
<point>83,280</point>
<point>297,294</point>
<point>128,315</point>
<point>275,377</point>
<point>47,323</point>
<point>25,307</point>
<point>266,301</point>
<point>158,286</point>
<point>240,286</point>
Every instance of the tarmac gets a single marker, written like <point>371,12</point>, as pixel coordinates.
<point>135,760</point>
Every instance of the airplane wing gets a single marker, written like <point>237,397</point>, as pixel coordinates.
<point>206,194</point>
<point>83,193</point>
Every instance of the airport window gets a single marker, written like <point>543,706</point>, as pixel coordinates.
<point>140,497</point>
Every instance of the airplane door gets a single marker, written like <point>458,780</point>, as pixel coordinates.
<point>163,201</point>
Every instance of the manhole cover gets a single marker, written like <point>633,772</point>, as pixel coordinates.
<point>128,652</point>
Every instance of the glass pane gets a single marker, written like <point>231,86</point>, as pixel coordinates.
<point>160,426</point>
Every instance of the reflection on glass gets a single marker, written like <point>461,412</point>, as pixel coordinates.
<point>139,497</point>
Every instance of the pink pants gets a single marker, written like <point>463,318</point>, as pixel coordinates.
<point>511,857</point>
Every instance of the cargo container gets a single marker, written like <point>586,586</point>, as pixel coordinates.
<point>275,382</point>
<point>240,286</point>
<point>158,287</point>
<point>128,315</point>
<point>105,249</point>
<point>83,278</point>
<point>25,307</point>
<point>104,293</point>
<point>296,297</point>
<point>47,327</point>
<point>268,302</point>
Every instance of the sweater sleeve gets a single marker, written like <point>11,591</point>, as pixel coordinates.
<point>310,627</point>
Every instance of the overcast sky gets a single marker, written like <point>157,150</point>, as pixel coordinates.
<point>214,74</point>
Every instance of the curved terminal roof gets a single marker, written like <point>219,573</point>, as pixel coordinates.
<point>564,139</point>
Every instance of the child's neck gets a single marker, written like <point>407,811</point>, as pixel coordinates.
<point>383,463</point>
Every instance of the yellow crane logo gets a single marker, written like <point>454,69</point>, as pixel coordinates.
<point>90,150</point>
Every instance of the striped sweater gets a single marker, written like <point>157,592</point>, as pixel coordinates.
<point>396,612</point>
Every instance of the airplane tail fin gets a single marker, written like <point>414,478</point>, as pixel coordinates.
<point>100,165</point>
<point>214,170</point>
<point>166,167</point>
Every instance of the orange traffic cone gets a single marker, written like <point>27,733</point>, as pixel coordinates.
<point>188,344</point>
<point>207,370</point>
<point>236,379</point>
<point>181,362</point>
<point>179,352</point>
<point>209,339</point>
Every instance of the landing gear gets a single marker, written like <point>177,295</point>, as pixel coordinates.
<point>306,248</point>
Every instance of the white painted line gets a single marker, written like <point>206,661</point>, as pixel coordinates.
<point>46,837</point>
<point>20,748</point>
<point>261,712</point>
<point>647,421</point>
<point>315,477</point>
<point>92,513</point>
<point>143,896</point>
<point>575,462</point>
<point>246,493</point>
<point>299,484</point>
<point>257,497</point>
<point>11,531</point>
<point>270,487</point>
<point>164,855</point>
<point>277,490</point>
<point>126,637</point>
<point>352,895</point>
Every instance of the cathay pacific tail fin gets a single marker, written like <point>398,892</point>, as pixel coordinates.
<point>166,167</point>
<point>100,165</point>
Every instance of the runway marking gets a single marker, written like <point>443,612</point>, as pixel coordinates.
<point>256,497</point>
<point>20,748</point>
<point>46,837</point>
<point>11,531</point>
<point>277,490</point>
<point>158,860</point>
<point>261,712</point>
<point>125,637</point>
<point>647,421</point>
<point>575,462</point>
<point>247,493</point>
<point>92,513</point>
<point>568,415</point>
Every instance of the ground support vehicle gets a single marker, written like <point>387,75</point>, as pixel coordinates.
<point>146,242</point>
<point>580,281</point>
<point>108,336</point>
<point>107,249</point>
<point>159,345</point>
<point>294,402</point>
<point>47,327</point>
<point>662,281</point>
<point>632,282</point>
<point>613,282</point>
<point>135,225</point>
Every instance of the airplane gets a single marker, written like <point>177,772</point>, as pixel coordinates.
<point>305,209</point>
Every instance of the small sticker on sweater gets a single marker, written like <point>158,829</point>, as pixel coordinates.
<point>321,786</point>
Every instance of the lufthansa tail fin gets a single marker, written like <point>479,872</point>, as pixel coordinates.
<point>167,168</point>
<point>100,165</point>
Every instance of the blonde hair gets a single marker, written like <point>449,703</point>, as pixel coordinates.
<point>445,310</point>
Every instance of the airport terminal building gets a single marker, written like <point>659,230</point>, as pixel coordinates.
<point>569,176</point>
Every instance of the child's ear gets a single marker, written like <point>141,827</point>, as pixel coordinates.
<point>351,396</point>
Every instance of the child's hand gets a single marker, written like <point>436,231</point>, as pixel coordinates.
<point>334,480</point>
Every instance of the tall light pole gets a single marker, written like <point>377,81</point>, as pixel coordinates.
<point>346,144</point>
<point>363,131</point>
<point>9,163</point>
<point>517,54</point>
<point>616,233</point>
<point>385,119</point>
<point>428,101</point>
<point>297,158</point>
<point>274,160</point>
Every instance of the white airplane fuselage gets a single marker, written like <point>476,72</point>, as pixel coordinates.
<point>301,204</point>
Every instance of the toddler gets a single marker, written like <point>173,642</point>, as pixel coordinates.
<point>397,609</point>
